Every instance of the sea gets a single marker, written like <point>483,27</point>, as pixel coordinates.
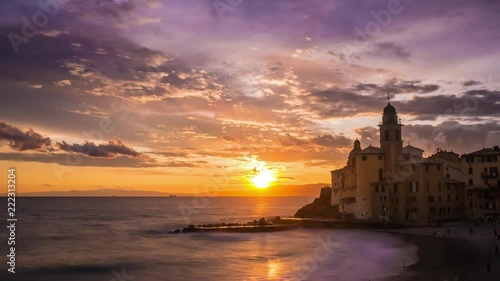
<point>127,239</point>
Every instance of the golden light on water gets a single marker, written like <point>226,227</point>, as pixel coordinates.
<point>274,269</point>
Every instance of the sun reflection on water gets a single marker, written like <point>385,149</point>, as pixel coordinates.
<point>274,269</point>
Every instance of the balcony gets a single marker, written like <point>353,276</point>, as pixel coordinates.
<point>489,175</point>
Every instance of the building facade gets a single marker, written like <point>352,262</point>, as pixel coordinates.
<point>482,180</point>
<point>397,183</point>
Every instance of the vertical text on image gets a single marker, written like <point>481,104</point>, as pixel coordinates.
<point>11,219</point>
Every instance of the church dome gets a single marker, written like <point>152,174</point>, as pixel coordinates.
<point>389,108</point>
<point>354,152</point>
<point>356,149</point>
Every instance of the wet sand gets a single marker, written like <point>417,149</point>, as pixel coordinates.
<point>450,258</point>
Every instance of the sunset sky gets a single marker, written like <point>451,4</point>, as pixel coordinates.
<point>171,95</point>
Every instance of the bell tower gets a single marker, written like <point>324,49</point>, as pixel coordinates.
<point>390,136</point>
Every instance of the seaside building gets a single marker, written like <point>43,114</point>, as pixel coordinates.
<point>397,183</point>
<point>482,179</point>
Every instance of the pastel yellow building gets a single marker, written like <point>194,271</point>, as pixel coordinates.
<point>397,183</point>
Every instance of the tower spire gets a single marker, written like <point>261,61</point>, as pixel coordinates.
<point>388,98</point>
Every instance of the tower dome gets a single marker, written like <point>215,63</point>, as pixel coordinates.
<point>389,108</point>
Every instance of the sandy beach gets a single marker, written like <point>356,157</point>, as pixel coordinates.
<point>458,256</point>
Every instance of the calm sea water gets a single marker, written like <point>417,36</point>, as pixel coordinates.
<point>125,239</point>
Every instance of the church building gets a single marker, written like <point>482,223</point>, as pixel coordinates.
<point>396,183</point>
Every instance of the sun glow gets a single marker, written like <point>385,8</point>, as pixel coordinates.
<point>263,178</point>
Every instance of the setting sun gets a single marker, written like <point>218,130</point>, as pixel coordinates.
<point>263,179</point>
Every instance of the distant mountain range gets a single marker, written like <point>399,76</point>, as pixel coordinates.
<point>311,190</point>
<point>108,192</point>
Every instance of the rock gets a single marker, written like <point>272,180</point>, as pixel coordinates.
<point>262,222</point>
<point>190,228</point>
<point>177,231</point>
<point>317,208</point>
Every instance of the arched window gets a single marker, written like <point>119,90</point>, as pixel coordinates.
<point>380,174</point>
<point>397,134</point>
<point>386,135</point>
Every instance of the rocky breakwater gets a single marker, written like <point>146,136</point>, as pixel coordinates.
<point>261,225</point>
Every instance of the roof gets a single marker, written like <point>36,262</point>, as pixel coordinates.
<point>389,108</point>
<point>409,147</point>
<point>491,150</point>
<point>372,150</point>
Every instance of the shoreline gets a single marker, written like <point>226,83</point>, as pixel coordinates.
<point>447,258</point>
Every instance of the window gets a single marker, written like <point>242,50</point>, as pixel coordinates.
<point>449,197</point>
<point>430,198</point>
<point>386,135</point>
<point>395,188</point>
<point>439,198</point>
<point>383,188</point>
<point>427,167</point>
<point>380,157</point>
<point>432,210</point>
<point>397,134</point>
<point>470,171</point>
<point>414,187</point>
<point>494,171</point>
<point>447,175</point>
<point>439,167</point>
<point>381,175</point>
<point>395,210</point>
<point>456,197</point>
<point>427,186</point>
<point>364,158</point>
<point>439,186</point>
<point>471,182</point>
<point>376,188</point>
